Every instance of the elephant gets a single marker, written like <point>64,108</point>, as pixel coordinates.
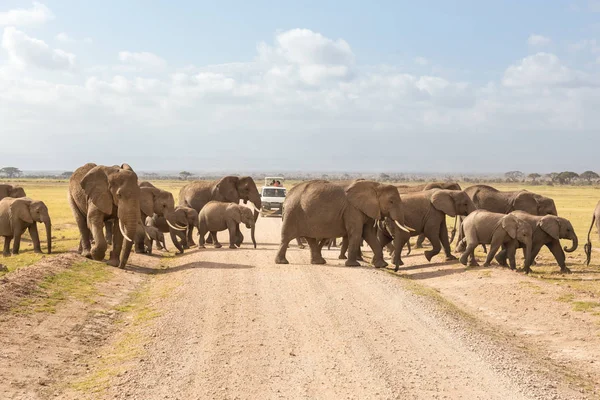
<point>491,199</point>
<point>497,230</point>
<point>428,186</point>
<point>547,231</point>
<point>217,216</point>
<point>588,245</point>
<point>147,235</point>
<point>180,217</point>
<point>18,214</point>
<point>98,193</point>
<point>192,222</point>
<point>320,209</point>
<point>229,189</point>
<point>425,212</point>
<point>7,190</point>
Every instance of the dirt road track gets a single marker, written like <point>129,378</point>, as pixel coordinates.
<point>240,327</point>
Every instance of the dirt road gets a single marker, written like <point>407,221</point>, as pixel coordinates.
<point>230,324</point>
<point>238,326</point>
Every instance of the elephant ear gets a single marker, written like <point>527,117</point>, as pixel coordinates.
<point>524,201</point>
<point>95,186</point>
<point>364,196</point>
<point>147,200</point>
<point>226,190</point>
<point>509,223</point>
<point>443,202</point>
<point>19,208</point>
<point>551,226</point>
<point>236,213</point>
<point>127,167</point>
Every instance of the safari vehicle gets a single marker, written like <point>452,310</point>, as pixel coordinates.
<point>272,196</point>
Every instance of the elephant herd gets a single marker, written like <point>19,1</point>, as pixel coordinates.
<point>387,215</point>
<point>112,208</point>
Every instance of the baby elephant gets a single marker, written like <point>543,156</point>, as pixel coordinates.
<point>497,230</point>
<point>17,215</point>
<point>145,236</point>
<point>217,216</point>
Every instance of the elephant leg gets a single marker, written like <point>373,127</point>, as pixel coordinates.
<point>343,248</point>
<point>354,239</point>
<point>535,249</point>
<point>108,225</point>
<point>420,241</point>
<point>175,241</point>
<point>432,232</point>
<point>239,237</point>
<point>370,235</point>
<point>148,245</point>
<point>117,240</point>
<point>559,255</point>
<point>215,240</point>
<point>494,246</point>
<point>299,243</point>
<point>190,236</point>
<point>445,241</point>
<point>17,241</point>
<point>232,227</point>
<point>511,251</point>
<point>286,237</point>
<point>7,240</point>
<point>469,255</point>
<point>315,252</point>
<point>359,251</point>
<point>95,221</point>
<point>84,231</point>
<point>209,239</point>
<point>502,256</point>
<point>35,238</point>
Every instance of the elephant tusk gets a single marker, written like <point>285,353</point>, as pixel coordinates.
<point>256,209</point>
<point>177,228</point>
<point>148,236</point>
<point>375,224</point>
<point>123,232</point>
<point>403,227</point>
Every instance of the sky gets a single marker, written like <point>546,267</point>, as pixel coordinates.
<point>380,86</point>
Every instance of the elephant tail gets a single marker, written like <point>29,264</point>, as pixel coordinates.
<point>453,234</point>
<point>588,245</point>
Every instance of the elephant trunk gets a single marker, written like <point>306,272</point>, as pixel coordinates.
<point>574,245</point>
<point>252,229</point>
<point>48,225</point>
<point>129,215</point>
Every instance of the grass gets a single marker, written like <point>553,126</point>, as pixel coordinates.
<point>77,282</point>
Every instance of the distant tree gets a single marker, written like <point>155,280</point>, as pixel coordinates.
<point>11,172</point>
<point>66,174</point>
<point>185,175</point>
<point>566,177</point>
<point>589,175</point>
<point>384,177</point>
<point>514,176</point>
<point>534,176</point>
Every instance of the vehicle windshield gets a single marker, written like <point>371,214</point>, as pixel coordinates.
<point>270,192</point>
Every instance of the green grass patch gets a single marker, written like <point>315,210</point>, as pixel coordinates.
<point>77,282</point>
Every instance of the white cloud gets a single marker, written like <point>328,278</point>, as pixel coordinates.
<point>27,51</point>
<point>65,38</point>
<point>538,40</point>
<point>142,59</point>
<point>542,69</point>
<point>36,15</point>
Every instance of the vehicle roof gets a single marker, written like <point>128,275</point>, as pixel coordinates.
<point>273,187</point>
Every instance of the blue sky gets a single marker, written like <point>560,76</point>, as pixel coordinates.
<point>214,85</point>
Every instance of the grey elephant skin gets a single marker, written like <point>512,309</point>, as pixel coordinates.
<point>18,215</point>
<point>7,190</point>
<point>229,189</point>
<point>181,217</point>
<point>428,186</point>
<point>498,230</point>
<point>217,216</point>
<point>425,212</point>
<point>320,209</point>
<point>588,245</point>
<point>98,193</point>
<point>148,235</point>
<point>547,231</point>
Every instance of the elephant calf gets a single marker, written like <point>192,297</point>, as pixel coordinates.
<point>547,231</point>
<point>217,216</point>
<point>17,215</point>
<point>145,236</point>
<point>495,229</point>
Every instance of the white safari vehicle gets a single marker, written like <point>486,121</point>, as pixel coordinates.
<point>272,196</point>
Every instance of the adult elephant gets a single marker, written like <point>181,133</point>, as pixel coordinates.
<point>98,193</point>
<point>425,213</point>
<point>19,214</point>
<point>230,189</point>
<point>320,209</point>
<point>491,199</point>
<point>7,190</point>
<point>588,245</point>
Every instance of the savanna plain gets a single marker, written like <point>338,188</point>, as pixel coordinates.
<point>231,324</point>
